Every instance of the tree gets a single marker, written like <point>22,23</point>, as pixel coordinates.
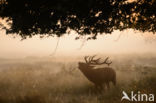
<point>86,17</point>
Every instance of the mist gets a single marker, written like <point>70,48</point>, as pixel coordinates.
<point>35,71</point>
<point>125,42</point>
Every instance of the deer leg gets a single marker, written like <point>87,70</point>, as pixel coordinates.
<point>107,85</point>
<point>96,86</point>
<point>114,81</point>
<point>100,87</point>
<point>96,90</point>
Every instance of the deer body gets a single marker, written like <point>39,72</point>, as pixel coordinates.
<point>99,76</point>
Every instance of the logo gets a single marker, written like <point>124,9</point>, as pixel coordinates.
<point>137,96</point>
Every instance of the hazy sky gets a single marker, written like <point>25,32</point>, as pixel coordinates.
<point>129,42</point>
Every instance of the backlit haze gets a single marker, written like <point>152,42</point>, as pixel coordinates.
<point>128,41</point>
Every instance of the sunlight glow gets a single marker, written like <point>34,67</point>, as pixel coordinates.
<point>127,41</point>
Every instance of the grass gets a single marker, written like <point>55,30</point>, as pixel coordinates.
<point>38,84</point>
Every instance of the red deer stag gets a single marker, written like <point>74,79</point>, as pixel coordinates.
<point>99,76</point>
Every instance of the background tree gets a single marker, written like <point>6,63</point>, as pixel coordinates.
<point>86,17</point>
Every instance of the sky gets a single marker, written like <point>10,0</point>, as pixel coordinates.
<point>128,41</point>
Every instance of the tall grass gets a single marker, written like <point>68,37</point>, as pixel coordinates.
<point>34,83</point>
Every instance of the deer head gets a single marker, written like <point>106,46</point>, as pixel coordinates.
<point>90,62</point>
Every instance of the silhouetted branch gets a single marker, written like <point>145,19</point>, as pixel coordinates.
<point>86,17</point>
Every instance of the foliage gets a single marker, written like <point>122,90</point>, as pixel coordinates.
<point>86,17</point>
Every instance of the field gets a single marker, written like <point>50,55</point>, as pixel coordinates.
<point>51,80</point>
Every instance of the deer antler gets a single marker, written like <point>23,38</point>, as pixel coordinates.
<point>91,58</point>
<point>93,61</point>
<point>85,58</point>
<point>105,62</point>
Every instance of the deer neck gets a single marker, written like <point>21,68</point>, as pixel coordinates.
<point>87,71</point>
